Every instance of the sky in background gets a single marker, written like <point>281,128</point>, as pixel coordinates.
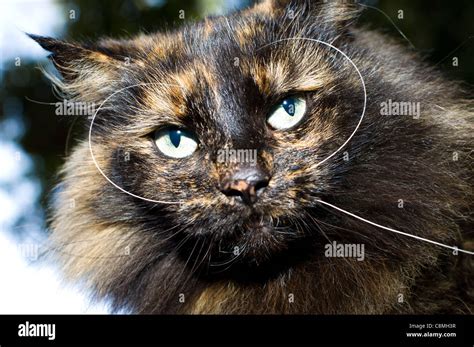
<point>17,192</point>
<point>27,286</point>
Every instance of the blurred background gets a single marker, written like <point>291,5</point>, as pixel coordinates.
<point>34,140</point>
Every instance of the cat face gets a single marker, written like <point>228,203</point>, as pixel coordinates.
<point>233,128</point>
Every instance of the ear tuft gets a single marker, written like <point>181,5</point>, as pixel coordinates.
<point>88,72</point>
<point>68,57</point>
<point>48,43</point>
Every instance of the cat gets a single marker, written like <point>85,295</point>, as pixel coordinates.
<point>159,210</point>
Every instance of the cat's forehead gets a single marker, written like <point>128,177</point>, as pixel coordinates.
<point>216,42</point>
<point>243,30</point>
<point>240,54</point>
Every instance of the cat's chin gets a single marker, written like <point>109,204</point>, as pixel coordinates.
<point>250,246</point>
<point>262,240</point>
<point>254,244</point>
<point>257,251</point>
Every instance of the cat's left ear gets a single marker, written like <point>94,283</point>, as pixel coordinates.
<point>334,14</point>
<point>89,71</point>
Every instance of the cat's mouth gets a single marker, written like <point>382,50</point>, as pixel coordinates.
<point>258,247</point>
<point>258,238</point>
<point>258,224</point>
<point>248,244</point>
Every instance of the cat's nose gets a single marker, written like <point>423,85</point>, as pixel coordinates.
<point>245,183</point>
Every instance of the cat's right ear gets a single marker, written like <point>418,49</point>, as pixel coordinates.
<point>88,71</point>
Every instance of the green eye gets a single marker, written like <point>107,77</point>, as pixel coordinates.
<point>175,142</point>
<point>288,113</point>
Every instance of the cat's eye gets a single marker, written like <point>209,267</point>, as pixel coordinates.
<point>287,113</point>
<point>175,142</point>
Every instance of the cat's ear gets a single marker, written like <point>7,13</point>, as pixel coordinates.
<point>338,14</point>
<point>88,71</point>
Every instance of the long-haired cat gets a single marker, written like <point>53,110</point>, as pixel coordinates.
<point>201,180</point>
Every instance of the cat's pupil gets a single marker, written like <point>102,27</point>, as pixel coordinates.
<point>175,137</point>
<point>289,106</point>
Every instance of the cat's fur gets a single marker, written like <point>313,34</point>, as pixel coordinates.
<point>221,78</point>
